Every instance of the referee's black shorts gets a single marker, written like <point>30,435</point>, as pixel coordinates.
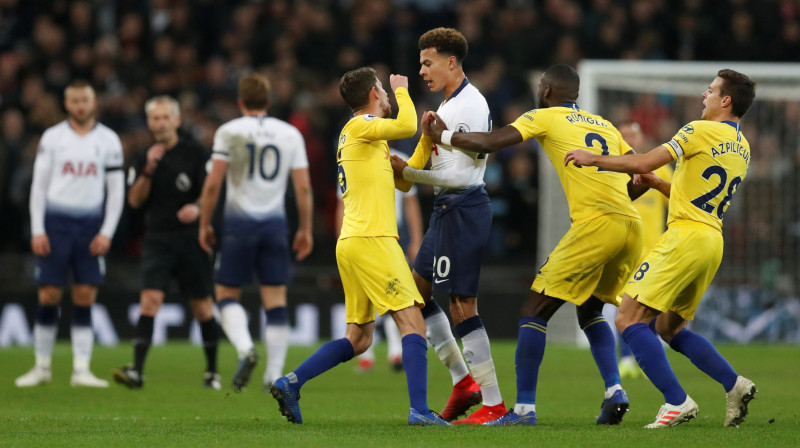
<point>178,255</point>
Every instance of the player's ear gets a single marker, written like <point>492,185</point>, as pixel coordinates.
<point>726,101</point>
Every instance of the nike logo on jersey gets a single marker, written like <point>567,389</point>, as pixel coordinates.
<point>440,280</point>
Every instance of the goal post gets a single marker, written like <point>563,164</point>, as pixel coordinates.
<point>760,267</point>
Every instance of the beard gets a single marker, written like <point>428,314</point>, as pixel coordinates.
<point>82,120</point>
<point>386,109</point>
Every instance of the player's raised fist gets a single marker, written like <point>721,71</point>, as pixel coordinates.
<point>397,81</point>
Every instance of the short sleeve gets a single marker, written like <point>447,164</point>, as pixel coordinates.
<point>221,149</point>
<point>685,143</point>
<point>300,159</point>
<point>533,123</point>
<point>624,147</point>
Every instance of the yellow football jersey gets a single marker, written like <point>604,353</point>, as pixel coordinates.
<point>652,206</point>
<point>590,191</point>
<point>365,170</point>
<point>712,159</point>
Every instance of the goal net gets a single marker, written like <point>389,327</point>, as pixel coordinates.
<point>754,294</point>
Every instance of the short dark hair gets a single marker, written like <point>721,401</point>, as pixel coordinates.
<point>356,85</point>
<point>254,89</point>
<point>566,76</point>
<point>448,41</point>
<point>740,88</point>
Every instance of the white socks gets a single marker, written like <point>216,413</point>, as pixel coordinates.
<point>276,340</point>
<point>479,356</point>
<point>44,339</point>
<point>522,408</point>
<point>234,324</point>
<point>441,338</point>
<point>394,340</point>
<point>82,343</point>
<point>610,391</point>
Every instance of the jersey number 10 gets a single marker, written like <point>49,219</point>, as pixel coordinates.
<point>267,166</point>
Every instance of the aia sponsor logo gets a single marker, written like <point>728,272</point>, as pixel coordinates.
<point>79,169</point>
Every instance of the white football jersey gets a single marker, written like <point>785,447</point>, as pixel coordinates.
<point>261,151</point>
<point>77,166</point>
<point>465,111</point>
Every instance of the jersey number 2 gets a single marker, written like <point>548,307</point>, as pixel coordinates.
<point>267,166</point>
<point>595,137</point>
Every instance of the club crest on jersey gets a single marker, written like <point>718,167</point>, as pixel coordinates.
<point>183,182</point>
<point>462,127</point>
<point>79,169</point>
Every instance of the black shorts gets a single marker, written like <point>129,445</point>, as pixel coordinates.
<point>176,255</point>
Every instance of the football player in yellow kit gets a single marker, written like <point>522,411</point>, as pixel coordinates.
<point>713,157</point>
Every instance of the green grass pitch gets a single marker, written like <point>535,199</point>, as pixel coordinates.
<point>344,408</point>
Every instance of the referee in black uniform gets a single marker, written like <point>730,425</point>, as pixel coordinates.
<point>167,179</point>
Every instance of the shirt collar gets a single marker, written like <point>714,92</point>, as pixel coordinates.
<point>459,89</point>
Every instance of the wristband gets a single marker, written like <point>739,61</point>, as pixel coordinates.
<point>446,136</point>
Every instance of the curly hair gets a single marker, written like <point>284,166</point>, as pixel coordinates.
<point>447,41</point>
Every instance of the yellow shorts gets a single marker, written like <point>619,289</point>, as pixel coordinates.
<point>676,273</point>
<point>375,277</point>
<point>595,258</point>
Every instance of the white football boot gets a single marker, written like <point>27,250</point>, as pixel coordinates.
<point>736,409</point>
<point>87,379</point>
<point>671,415</point>
<point>36,376</point>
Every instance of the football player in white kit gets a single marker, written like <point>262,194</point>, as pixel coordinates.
<point>78,161</point>
<point>257,154</point>
<point>449,260</point>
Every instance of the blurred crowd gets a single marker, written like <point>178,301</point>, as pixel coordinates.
<point>196,50</point>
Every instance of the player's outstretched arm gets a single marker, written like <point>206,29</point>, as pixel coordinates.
<point>628,163</point>
<point>651,180</point>
<point>475,141</point>
<point>208,201</point>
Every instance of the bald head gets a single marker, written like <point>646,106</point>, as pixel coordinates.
<point>560,84</point>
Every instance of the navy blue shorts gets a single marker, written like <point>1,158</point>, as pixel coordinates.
<point>69,250</point>
<point>453,247</point>
<point>252,245</point>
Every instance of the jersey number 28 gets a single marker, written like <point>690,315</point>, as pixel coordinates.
<point>703,202</point>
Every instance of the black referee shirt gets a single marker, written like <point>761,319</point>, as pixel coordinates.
<point>177,181</point>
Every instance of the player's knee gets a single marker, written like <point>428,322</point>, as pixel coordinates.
<point>49,295</point>
<point>150,301</point>
<point>360,345</point>
<point>621,323</point>
<point>541,306</point>
<point>203,309</point>
<point>84,295</point>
